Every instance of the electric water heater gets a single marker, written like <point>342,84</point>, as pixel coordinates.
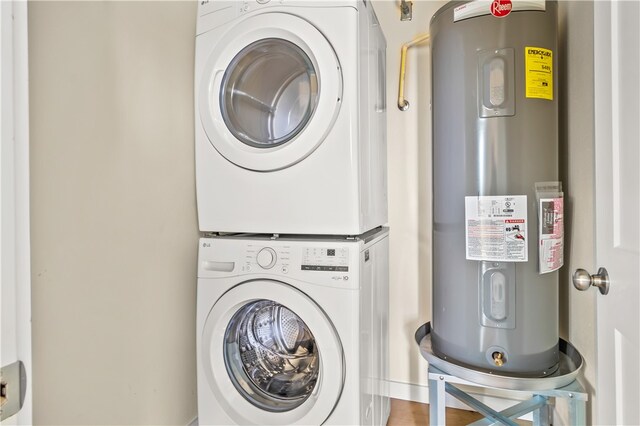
<point>497,202</point>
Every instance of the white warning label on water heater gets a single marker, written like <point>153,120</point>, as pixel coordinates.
<point>551,235</point>
<point>496,228</point>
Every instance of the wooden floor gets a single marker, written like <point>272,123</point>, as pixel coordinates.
<point>407,413</point>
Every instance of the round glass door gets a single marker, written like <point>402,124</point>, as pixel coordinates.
<point>269,93</point>
<point>271,356</point>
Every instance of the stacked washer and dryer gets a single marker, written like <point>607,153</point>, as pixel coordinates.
<point>292,309</point>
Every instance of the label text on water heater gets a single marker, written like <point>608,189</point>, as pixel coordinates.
<point>496,228</point>
<point>538,67</point>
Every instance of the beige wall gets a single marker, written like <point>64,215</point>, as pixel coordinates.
<point>114,231</point>
<point>113,204</point>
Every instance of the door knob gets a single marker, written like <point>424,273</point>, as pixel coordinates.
<point>582,280</point>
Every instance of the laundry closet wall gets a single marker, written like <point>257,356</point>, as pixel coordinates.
<point>409,160</point>
<point>114,231</point>
<point>113,215</point>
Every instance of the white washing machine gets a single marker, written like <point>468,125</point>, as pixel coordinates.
<point>293,331</point>
<point>290,123</point>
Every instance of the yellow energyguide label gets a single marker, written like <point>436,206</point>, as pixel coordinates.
<point>538,66</point>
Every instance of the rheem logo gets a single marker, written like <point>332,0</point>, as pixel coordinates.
<point>501,8</point>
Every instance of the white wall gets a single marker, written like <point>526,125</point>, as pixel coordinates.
<point>409,156</point>
<point>578,309</point>
<point>114,233</point>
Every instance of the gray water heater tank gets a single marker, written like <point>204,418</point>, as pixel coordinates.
<point>495,136</point>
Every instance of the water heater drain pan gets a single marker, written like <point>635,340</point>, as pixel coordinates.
<point>568,368</point>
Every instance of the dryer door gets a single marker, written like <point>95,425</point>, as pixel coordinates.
<point>270,91</point>
<point>271,355</point>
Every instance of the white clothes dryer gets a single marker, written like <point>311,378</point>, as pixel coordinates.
<point>293,331</point>
<point>290,123</point>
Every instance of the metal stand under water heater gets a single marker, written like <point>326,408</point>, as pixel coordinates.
<point>497,206</point>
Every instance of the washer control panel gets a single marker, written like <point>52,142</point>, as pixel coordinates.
<point>281,259</point>
<point>325,259</point>
<point>261,257</point>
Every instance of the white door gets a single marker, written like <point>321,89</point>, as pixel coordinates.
<point>15,299</point>
<point>617,134</point>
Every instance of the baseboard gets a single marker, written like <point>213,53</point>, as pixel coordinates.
<point>408,391</point>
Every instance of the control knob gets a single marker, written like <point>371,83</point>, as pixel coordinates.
<point>266,258</point>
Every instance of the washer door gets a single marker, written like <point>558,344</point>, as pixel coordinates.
<point>271,355</point>
<point>270,91</point>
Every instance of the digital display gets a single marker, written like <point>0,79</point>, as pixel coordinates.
<point>331,252</point>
